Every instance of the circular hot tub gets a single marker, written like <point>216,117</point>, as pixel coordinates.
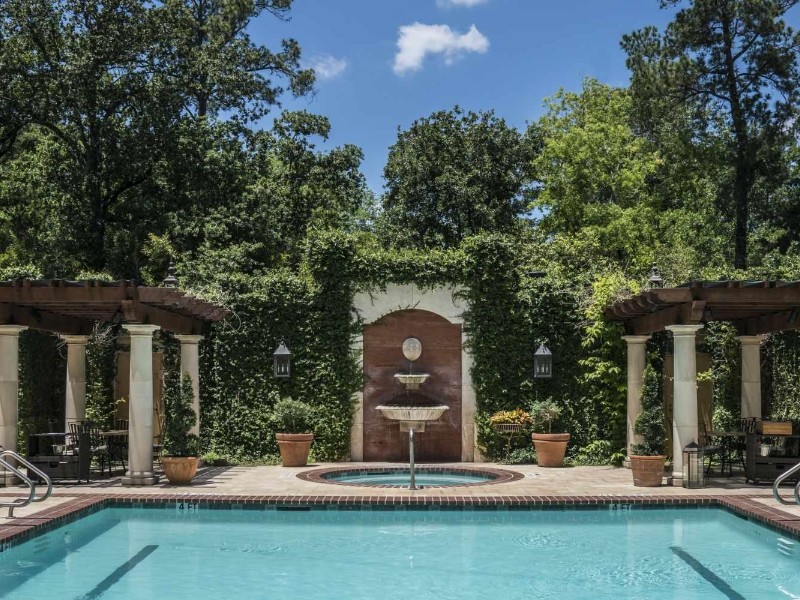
<point>399,477</point>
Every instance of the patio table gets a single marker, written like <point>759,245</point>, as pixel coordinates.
<point>728,441</point>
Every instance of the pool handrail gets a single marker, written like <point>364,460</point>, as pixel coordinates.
<point>783,477</point>
<point>32,497</point>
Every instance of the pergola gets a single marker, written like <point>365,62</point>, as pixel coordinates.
<point>755,308</point>
<point>71,309</point>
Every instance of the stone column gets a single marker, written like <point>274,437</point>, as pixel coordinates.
<point>637,359</point>
<point>140,406</point>
<point>75,408</point>
<point>684,409</point>
<point>469,436</point>
<point>9,390</point>
<point>190,365</point>
<point>751,375</point>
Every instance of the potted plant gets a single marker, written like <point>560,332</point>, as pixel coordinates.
<point>179,459</point>
<point>647,457</point>
<point>550,447</point>
<point>294,422</point>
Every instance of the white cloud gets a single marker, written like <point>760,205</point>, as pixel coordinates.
<point>416,41</point>
<point>467,3</point>
<point>327,66</point>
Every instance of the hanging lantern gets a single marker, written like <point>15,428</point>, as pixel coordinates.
<point>694,475</point>
<point>282,361</point>
<point>543,362</point>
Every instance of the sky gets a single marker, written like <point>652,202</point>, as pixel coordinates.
<point>381,64</point>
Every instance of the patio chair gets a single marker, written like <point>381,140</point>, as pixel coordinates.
<point>711,449</point>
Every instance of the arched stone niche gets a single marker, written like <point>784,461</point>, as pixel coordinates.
<point>435,317</point>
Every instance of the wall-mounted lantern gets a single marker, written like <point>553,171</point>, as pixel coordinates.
<point>282,361</point>
<point>543,362</point>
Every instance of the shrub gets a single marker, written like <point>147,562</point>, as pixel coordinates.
<point>179,418</point>
<point>293,416</point>
<point>511,417</point>
<point>650,422</point>
<point>520,456</point>
<point>544,413</point>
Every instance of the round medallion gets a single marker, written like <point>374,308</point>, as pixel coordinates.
<point>412,349</point>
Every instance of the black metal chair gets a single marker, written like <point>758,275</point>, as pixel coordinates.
<point>711,449</point>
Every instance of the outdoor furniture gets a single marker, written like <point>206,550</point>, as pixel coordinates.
<point>60,455</point>
<point>768,456</point>
<point>710,449</point>
<point>116,441</point>
<point>728,444</point>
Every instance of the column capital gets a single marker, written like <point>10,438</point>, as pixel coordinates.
<point>12,329</point>
<point>135,329</point>
<point>189,339</point>
<point>684,330</point>
<point>77,340</point>
<point>747,340</point>
<point>636,339</point>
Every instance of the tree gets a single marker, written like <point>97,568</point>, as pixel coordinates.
<point>452,175</point>
<point>219,68</point>
<point>735,63</point>
<point>100,93</point>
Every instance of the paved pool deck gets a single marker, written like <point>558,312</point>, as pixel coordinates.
<point>262,486</point>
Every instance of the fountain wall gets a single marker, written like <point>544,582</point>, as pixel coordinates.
<point>441,358</point>
<point>434,316</point>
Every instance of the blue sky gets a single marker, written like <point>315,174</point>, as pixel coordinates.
<point>519,52</point>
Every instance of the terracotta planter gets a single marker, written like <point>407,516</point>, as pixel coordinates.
<point>180,470</point>
<point>550,448</point>
<point>294,448</point>
<point>648,471</point>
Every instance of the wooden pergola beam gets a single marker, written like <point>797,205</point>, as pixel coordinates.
<point>11,314</point>
<point>786,320</point>
<point>136,312</point>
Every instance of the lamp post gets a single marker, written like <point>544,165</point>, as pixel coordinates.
<point>543,362</point>
<point>282,361</point>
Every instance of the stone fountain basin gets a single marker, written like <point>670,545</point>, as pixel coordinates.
<point>412,381</point>
<point>412,413</point>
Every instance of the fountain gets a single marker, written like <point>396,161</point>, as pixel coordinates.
<point>412,418</point>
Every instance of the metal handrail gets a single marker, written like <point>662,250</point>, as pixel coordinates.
<point>32,497</point>
<point>783,477</point>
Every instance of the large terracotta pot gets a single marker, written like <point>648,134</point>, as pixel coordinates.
<point>180,470</point>
<point>550,448</point>
<point>648,471</point>
<point>294,448</point>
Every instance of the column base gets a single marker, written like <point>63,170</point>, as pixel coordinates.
<point>140,480</point>
<point>626,462</point>
<point>675,480</point>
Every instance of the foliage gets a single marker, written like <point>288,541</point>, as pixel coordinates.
<point>650,424</point>
<point>544,413</point>
<point>520,456</point>
<point>451,175</point>
<point>599,452</point>
<point>293,416</point>
<point>735,63</point>
<point>101,370</point>
<point>511,417</point>
<point>179,416</point>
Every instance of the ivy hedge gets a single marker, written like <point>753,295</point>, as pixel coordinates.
<point>517,297</point>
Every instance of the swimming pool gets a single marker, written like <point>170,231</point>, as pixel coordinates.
<point>132,554</point>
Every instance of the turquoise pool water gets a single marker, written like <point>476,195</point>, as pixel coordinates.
<point>137,554</point>
<point>401,478</point>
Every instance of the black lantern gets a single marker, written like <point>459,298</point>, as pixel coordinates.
<point>282,361</point>
<point>694,475</point>
<point>543,362</point>
<point>654,278</point>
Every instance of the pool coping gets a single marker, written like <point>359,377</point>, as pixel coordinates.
<point>498,475</point>
<point>25,528</point>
